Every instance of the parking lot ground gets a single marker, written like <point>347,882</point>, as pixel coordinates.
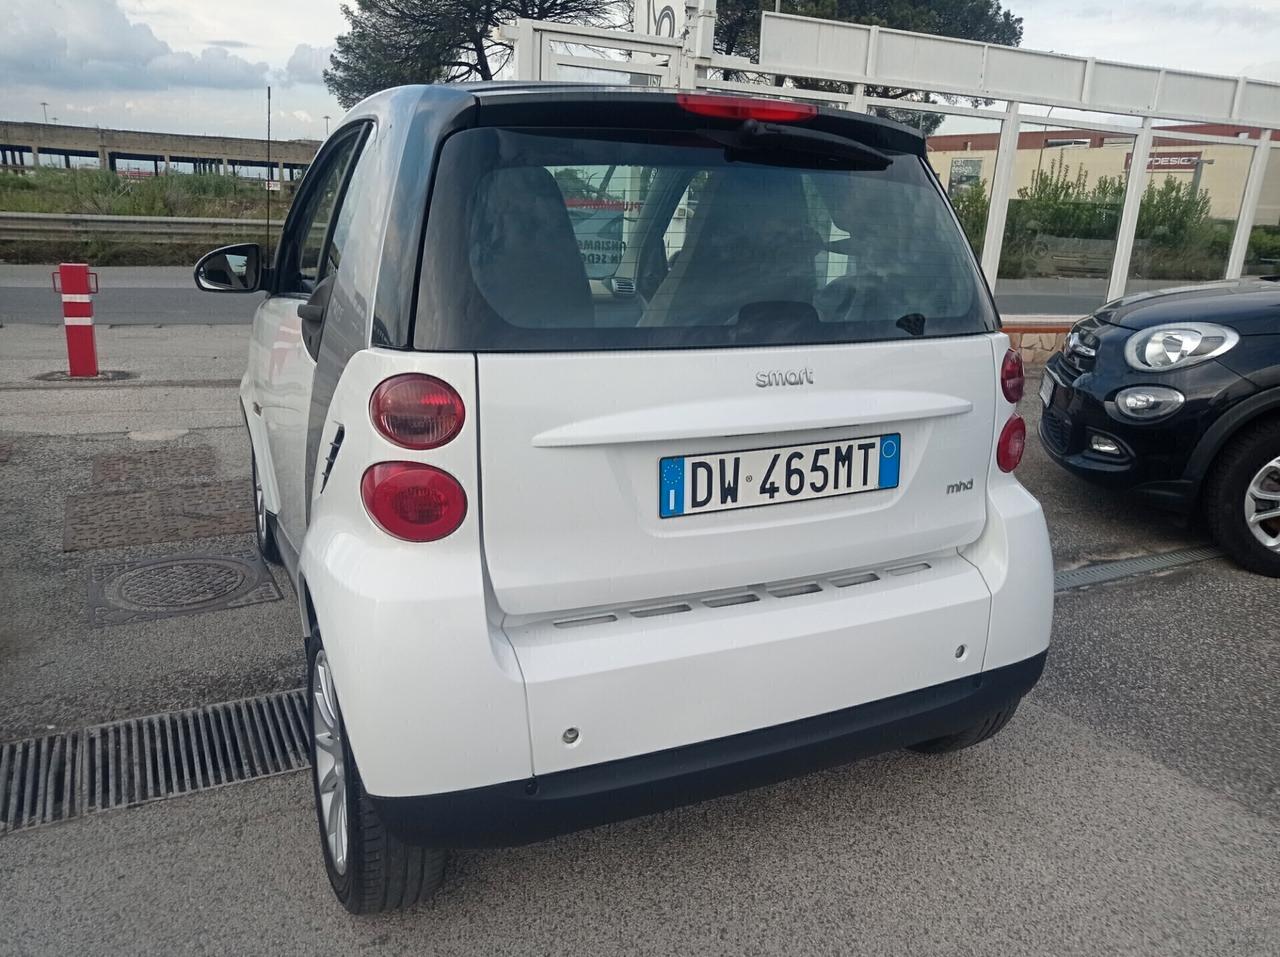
<point>1132,806</point>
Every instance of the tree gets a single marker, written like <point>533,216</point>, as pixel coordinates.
<point>738,34</point>
<point>393,42</point>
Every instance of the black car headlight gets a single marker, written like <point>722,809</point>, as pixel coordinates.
<point>1177,345</point>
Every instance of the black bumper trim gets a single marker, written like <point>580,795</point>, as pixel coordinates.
<point>520,812</point>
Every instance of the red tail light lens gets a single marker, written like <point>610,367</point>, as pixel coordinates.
<point>1013,379</point>
<point>417,411</point>
<point>745,108</point>
<point>1013,442</point>
<point>413,501</point>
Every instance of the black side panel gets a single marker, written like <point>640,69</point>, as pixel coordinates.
<point>403,147</point>
<point>439,111</point>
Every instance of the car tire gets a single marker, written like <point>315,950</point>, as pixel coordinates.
<point>1244,482</point>
<point>369,868</point>
<point>988,727</point>
<point>262,530</point>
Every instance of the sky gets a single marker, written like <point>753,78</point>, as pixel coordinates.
<point>202,66</point>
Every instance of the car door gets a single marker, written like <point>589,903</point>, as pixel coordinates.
<point>292,320</point>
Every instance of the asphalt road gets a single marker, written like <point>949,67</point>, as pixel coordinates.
<point>128,295</point>
<point>1131,807</point>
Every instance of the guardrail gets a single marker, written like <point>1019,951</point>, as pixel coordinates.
<point>138,229</point>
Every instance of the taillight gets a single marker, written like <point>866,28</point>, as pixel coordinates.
<point>416,502</point>
<point>1012,377</point>
<point>416,411</point>
<point>745,108</point>
<point>1013,442</point>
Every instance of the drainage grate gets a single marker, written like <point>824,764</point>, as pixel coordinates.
<point>137,760</point>
<point>1111,571</point>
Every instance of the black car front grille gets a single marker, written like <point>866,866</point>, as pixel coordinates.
<point>1055,430</point>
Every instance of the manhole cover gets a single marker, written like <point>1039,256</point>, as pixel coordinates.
<point>141,591</point>
<point>177,583</point>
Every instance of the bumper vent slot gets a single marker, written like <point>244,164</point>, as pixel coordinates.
<point>794,589</point>
<point>728,601</point>
<point>849,580</point>
<point>909,569</point>
<point>657,610</point>
<point>583,622</point>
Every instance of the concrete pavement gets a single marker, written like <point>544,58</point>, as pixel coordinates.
<point>1132,806</point>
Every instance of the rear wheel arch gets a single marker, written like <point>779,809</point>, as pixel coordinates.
<point>307,610</point>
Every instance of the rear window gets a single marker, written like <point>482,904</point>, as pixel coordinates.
<point>558,240</point>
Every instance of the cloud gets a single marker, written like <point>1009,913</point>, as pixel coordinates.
<point>302,116</point>
<point>307,64</point>
<point>229,44</point>
<point>95,46</point>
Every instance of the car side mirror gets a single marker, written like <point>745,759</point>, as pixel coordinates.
<point>235,268</point>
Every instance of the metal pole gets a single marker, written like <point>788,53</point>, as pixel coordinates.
<point>267,248</point>
<point>45,106</point>
<point>1001,190</point>
<point>1137,185</point>
<point>1249,206</point>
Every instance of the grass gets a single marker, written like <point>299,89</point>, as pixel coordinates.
<point>101,192</point>
<point>206,195</point>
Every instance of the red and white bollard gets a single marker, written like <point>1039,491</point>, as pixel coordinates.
<point>77,284</point>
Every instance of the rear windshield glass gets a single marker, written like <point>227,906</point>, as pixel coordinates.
<point>555,240</point>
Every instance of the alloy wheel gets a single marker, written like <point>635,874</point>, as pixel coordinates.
<point>1262,505</point>
<point>330,765</point>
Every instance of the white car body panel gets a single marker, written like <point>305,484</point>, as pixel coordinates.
<point>444,690</point>
<point>571,503</point>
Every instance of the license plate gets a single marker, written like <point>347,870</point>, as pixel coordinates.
<point>719,481</point>
<point>1046,389</point>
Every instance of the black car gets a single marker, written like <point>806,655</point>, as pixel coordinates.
<point>1175,394</point>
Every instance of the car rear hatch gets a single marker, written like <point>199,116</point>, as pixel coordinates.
<point>711,350</point>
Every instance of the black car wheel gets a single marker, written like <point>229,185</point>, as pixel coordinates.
<point>370,869</point>
<point>1242,499</point>
<point>987,728</point>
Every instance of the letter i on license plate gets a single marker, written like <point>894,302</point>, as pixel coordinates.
<point>719,481</point>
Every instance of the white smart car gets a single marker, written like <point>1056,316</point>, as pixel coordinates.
<point>627,448</point>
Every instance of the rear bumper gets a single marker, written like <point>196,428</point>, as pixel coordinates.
<point>536,808</point>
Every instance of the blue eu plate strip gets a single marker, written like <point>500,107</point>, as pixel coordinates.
<point>672,480</point>
<point>890,458</point>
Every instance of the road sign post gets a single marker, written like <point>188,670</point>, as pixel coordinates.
<point>77,285</point>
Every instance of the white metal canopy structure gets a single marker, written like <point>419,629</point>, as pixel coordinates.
<point>1142,99</point>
